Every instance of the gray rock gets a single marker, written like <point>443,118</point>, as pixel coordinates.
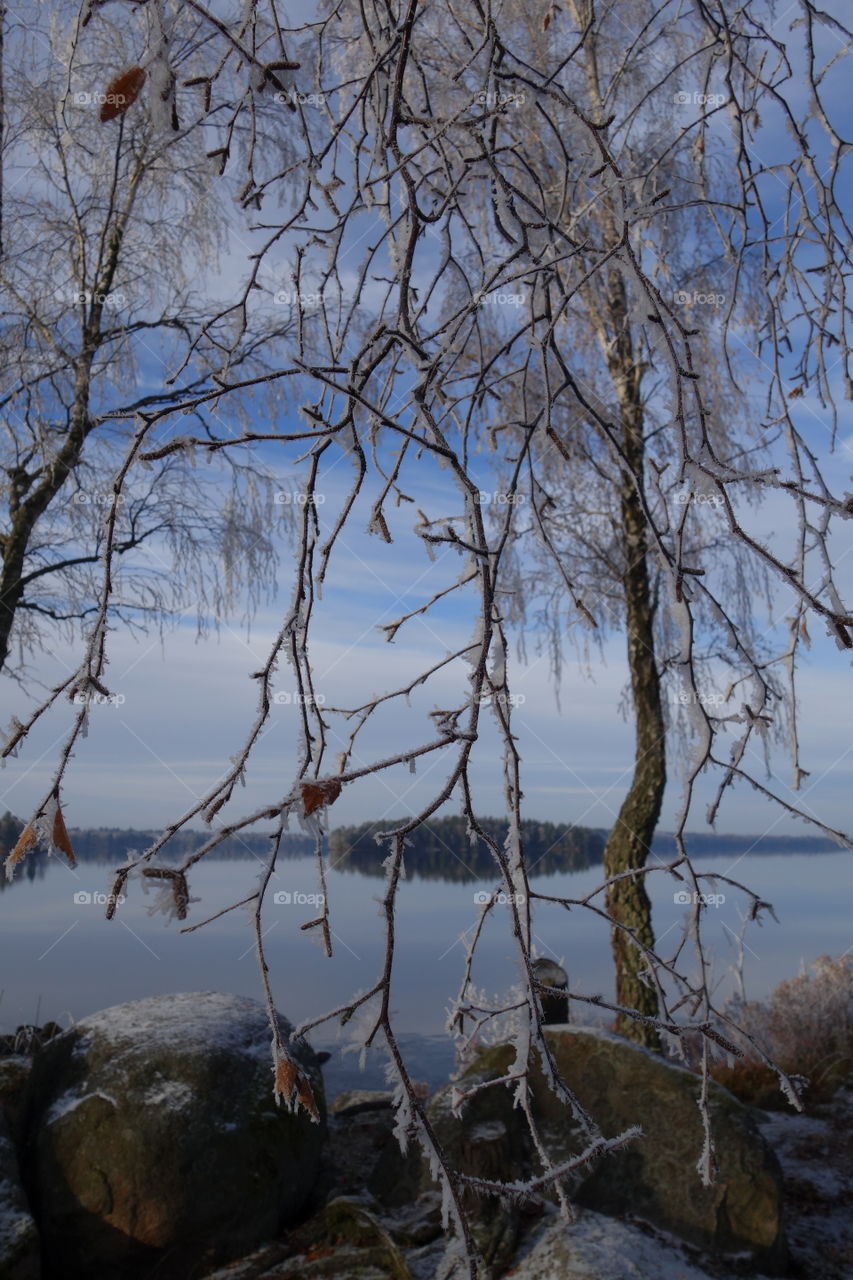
<point>19,1243</point>
<point>154,1137</point>
<point>599,1248</point>
<point>621,1084</point>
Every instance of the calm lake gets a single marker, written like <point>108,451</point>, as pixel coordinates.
<point>61,959</point>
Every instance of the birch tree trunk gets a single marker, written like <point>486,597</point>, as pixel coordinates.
<point>628,845</point>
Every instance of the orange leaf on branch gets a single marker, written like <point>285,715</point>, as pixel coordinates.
<point>294,1086</point>
<point>286,1076</point>
<point>316,795</point>
<point>122,93</point>
<point>27,840</point>
<point>60,837</point>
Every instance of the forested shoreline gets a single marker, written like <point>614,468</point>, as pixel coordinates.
<point>440,849</point>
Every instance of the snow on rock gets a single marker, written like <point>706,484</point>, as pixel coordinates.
<point>653,1178</point>
<point>69,1101</point>
<point>596,1247</point>
<point>170,1093</point>
<point>816,1155</point>
<point>155,1138</point>
<point>186,1020</point>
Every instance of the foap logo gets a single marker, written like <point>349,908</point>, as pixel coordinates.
<point>96,499</point>
<point>83,99</point>
<point>297,298</point>
<point>517,899</point>
<point>99,699</point>
<point>292,98</point>
<point>698,298</point>
<point>684,98</point>
<point>488,99</point>
<point>284,898</point>
<point>500,298</point>
<point>284,698</point>
<point>502,699</point>
<point>684,899</point>
<point>88,297</point>
<point>486,499</point>
<point>286,499</point>
<point>700,499</point>
<point>686,698</point>
<point>83,898</point>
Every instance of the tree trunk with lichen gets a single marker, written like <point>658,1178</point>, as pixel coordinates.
<point>628,845</point>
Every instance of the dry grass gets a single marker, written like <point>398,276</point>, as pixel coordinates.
<point>806,1027</point>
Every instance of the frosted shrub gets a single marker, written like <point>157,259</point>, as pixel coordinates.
<point>806,1026</point>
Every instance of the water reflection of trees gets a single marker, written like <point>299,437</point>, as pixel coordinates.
<point>34,866</point>
<point>111,845</point>
<point>441,850</point>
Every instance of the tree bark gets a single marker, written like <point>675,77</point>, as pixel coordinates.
<point>30,494</point>
<point>25,511</point>
<point>628,845</point>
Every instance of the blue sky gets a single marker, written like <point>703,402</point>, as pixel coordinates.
<point>187,702</point>
<point>184,706</point>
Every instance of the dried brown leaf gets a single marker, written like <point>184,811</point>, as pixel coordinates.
<point>121,93</point>
<point>27,840</point>
<point>286,1076</point>
<point>60,837</point>
<point>307,1099</point>
<point>289,1080</point>
<point>316,795</point>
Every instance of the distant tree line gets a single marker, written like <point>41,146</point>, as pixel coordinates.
<point>111,844</point>
<point>708,844</point>
<point>114,844</point>
<point>441,849</point>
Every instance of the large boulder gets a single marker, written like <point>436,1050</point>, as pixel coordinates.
<point>596,1247</point>
<point>654,1177</point>
<point>19,1244</point>
<point>154,1139</point>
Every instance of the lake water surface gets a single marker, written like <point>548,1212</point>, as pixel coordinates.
<point>61,959</point>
